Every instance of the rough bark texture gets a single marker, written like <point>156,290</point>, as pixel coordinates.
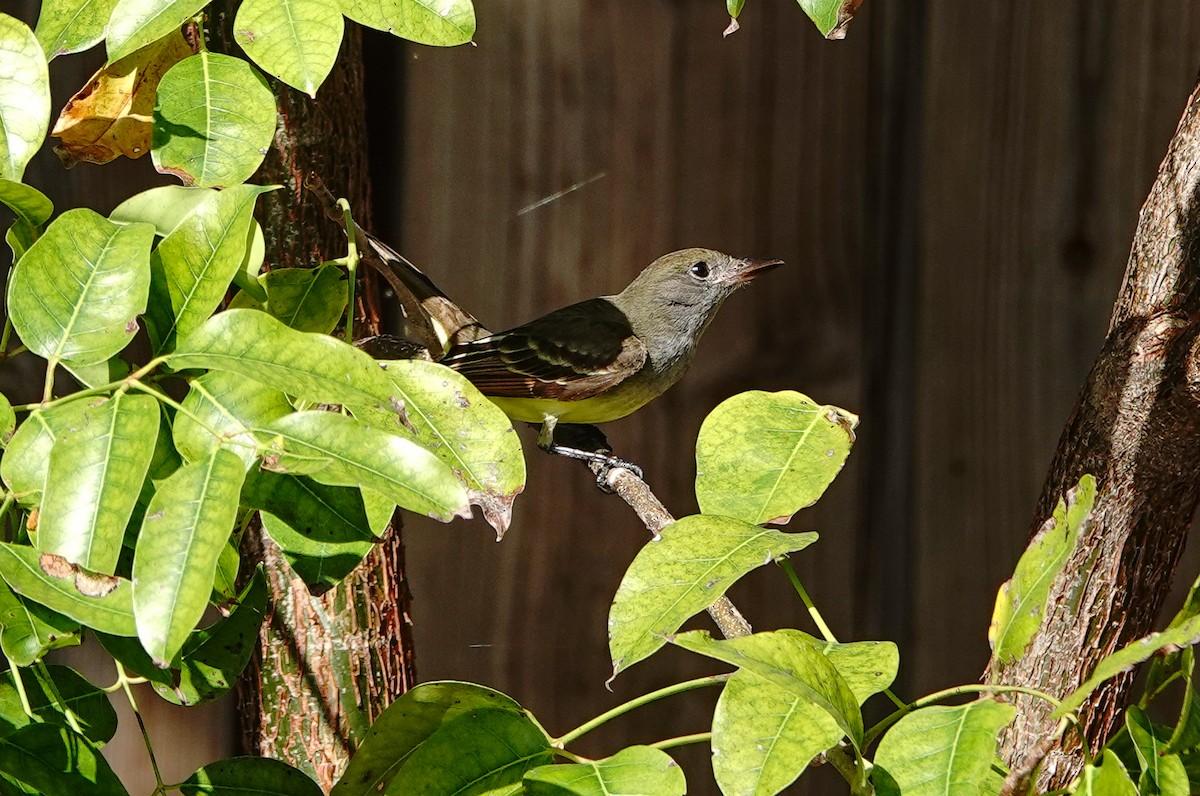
<point>327,665</point>
<point>1136,427</point>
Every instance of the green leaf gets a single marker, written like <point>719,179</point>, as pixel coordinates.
<point>1162,773</point>
<point>23,467</point>
<point>93,480</point>
<point>942,750</point>
<point>1020,603</point>
<point>790,660</point>
<point>448,416</point>
<point>734,7</point>
<point>101,602</point>
<point>341,451</point>
<point>71,26</point>
<point>136,23</point>
<point>764,735</point>
<point>1187,729</point>
<point>29,204</point>
<point>441,23</point>
<point>1128,656</point>
<point>76,293</point>
<point>28,630</point>
<point>24,97</point>
<point>410,722</point>
<point>219,412</point>
<point>54,761</point>
<point>211,659</point>
<point>761,456</point>
<point>306,299</point>
<point>249,776</point>
<point>194,264</point>
<point>1109,778</point>
<point>297,41</point>
<point>214,118</point>
<point>637,769</point>
<point>93,712</point>
<point>165,206</point>
<point>687,570</point>
<point>8,421</point>
<point>314,367</point>
<point>824,14</point>
<point>323,531</point>
<point>187,524</point>
<point>96,375</point>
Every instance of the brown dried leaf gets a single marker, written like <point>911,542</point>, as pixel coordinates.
<point>845,14</point>
<point>112,115</point>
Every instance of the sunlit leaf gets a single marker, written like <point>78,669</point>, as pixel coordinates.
<point>8,421</point>
<point>29,204</point>
<point>187,524</point>
<point>28,630</point>
<point>95,473</point>
<point>440,23</point>
<point>307,299</point>
<point>213,121</point>
<point>637,769</point>
<point>297,41</point>
<point>1162,772</point>
<point>684,572</point>
<point>761,456</point>
<point>1019,605</point>
<point>1108,778</point>
<point>220,410</point>
<point>136,23</point>
<point>193,265</point>
<point>103,603</point>
<point>76,293</point>
<point>112,114</point>
<point>446,738</point>
<point>165,206</point>
<point>792,661</point>
<point>70,26</point>
<point>341,451</point>
<point>942,751</point>
<point>24,97</point>
<point>24,464</point>
<point>830,16</point>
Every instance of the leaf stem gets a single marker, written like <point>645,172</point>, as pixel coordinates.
<point>826,633</point>
<point>137,714</point>
<point>4,336</point>
<point>682,740</point>
<point>675,688</point>
<point>959,690</point>
<point>20,686</point>
<point>52,687</point>
<point>352,258</point>
<point>48,389</point>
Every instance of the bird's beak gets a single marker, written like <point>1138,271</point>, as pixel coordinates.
<point>748,270</point>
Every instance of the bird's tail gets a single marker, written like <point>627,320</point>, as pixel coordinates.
<point>432,319</point>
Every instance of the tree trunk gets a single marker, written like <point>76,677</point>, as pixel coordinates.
<point>1136,427</point>
<point>327,665</point>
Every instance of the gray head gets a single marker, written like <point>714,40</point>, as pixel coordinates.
<point>679,293</point>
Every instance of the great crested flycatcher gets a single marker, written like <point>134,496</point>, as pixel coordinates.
<point>590,362</point>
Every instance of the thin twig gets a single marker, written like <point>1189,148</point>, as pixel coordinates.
<point>655,517</point>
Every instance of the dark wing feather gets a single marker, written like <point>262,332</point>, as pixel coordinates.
<point>571,354</point>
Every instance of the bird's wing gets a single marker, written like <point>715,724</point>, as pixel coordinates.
<point>568,355</point>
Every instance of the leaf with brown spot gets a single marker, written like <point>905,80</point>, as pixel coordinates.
<point>111,116</point>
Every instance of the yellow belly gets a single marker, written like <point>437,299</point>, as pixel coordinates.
<point>612,405</point>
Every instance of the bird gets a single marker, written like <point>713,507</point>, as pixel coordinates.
<point>591,362</point>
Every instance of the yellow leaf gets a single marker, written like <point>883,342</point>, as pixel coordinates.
<point>112,115</point>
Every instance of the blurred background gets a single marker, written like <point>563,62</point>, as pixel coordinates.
<point>954,188</point>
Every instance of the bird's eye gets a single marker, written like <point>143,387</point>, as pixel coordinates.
<point>700,270</point>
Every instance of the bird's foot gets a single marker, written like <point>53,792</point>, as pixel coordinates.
<point>610,463</point>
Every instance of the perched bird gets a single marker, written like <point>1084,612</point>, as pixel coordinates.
<point>590,362</point>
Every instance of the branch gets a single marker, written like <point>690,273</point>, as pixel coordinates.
<point>1136,427</point>
<point>655,517</point>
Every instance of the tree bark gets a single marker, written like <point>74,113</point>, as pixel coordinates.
<point>1136,427</point>
<point>326,665</point>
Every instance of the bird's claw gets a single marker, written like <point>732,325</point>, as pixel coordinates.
<point>610,463</point>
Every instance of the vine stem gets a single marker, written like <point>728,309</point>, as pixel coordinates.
<point>4,337</point>
<point>959,690</point>
<point>20,685</point>
<point>619,710</point>
<point>682,740</point>
<point>125,682</point>
<point>48,681</point>
<point>819,620</point>
<point>48,388</point>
